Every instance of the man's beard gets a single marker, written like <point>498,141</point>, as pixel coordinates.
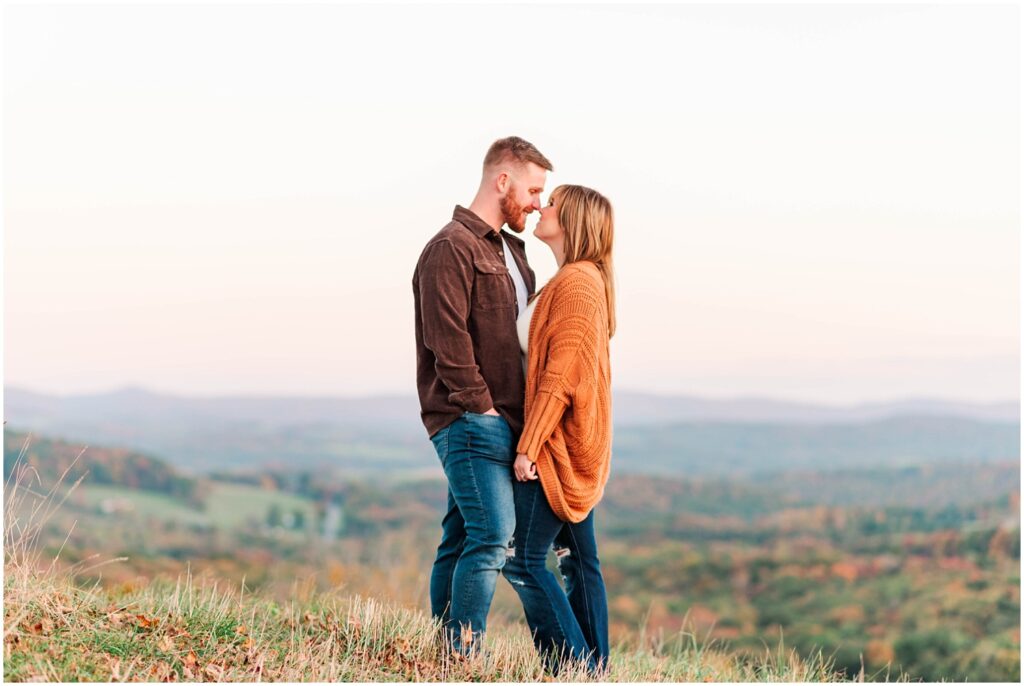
<point>513,213</point>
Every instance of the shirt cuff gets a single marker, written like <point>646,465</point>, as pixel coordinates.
<point>477,402</point>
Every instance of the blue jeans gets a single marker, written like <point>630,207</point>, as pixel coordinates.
<point>476,452</point>
<point>571,623</point>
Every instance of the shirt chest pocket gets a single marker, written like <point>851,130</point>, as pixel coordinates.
<point>492,285</point>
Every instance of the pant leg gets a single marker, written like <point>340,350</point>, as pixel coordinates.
<point>556,632</point>
<point>576,549</point>
<point>478,464</point>
<point>453,540</point>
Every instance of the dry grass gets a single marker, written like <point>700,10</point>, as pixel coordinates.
<point>196,630</point>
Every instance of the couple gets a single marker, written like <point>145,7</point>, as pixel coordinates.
<point>515,393</point>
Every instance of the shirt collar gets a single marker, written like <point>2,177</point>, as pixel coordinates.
<point>472,222</point>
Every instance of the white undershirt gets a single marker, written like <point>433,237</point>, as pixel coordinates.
<point>517,279</point>
<point>523,325</point>
<point>522,329</point>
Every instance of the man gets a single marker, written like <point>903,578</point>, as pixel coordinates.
<point>471,282</point>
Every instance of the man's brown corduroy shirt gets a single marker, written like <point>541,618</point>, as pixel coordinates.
<point>467,350</point>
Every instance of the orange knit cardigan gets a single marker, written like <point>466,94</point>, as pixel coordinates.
<point>568,430</point>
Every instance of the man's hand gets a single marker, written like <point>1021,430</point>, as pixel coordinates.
<point>524,469</point>
<point>493,412</point>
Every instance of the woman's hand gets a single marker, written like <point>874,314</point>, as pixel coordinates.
<point>524,469</point>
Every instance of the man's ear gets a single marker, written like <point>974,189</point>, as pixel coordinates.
<point>502,181</point>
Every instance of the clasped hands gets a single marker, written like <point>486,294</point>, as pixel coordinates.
<point>525,470</point>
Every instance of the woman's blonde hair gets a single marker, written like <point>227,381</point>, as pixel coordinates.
<point>589,225</point>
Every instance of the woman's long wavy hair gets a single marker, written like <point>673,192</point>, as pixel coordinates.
<point>589,224</point>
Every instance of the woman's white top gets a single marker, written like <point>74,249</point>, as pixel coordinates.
<point>523,328</point>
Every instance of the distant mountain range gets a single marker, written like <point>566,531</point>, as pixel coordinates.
<point>22,406</point>
<point>653,433</point>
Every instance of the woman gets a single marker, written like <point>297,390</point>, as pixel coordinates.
<point>564,453</point>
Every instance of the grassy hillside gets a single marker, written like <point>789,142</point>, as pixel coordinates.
<point>198,630</point>
<point>226,506</point>
<point>52,459</point>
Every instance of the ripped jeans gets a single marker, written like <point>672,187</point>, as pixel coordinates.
<point>572,623</point>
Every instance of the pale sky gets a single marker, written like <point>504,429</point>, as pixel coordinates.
<point>813,202</point>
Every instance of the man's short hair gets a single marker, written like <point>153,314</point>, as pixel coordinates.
<point>517,150</point>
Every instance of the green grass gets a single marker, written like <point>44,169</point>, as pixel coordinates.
<point>145,503</point>
<point>227,505</point>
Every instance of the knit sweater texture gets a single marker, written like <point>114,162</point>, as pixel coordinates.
<point>568,431</point>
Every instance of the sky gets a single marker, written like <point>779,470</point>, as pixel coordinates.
<point>813,202</point>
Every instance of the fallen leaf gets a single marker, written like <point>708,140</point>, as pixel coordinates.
<point>45,626</point>
<point>214,671</point>
<point>115,668</point>
<point>162,671</point>
<point>147,622</point>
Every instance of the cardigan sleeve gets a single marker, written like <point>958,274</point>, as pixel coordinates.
<point>572,330</point>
